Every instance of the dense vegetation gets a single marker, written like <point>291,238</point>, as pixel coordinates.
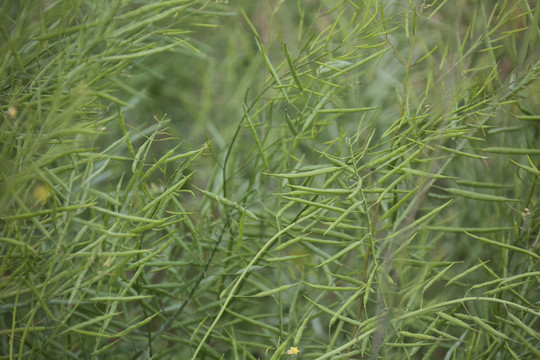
<point>210,180</point>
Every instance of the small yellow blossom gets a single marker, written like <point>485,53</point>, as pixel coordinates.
<point>41,193</point>
<point>293,350</point>
<point>12,112</point>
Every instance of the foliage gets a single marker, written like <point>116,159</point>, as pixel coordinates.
<point>257,180</point>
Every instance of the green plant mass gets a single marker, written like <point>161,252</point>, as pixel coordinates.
<point>274,179</point>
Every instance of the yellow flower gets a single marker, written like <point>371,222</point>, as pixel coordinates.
<point>41,193</point>
<point>12,112</point>
<point>293,350</point>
